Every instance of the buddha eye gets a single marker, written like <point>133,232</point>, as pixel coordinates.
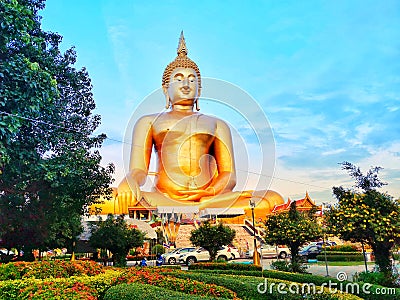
<point>178,77</point>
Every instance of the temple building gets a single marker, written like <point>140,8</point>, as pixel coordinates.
<point>304,204</point>
<point>178,222</point>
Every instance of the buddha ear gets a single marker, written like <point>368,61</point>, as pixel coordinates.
<point>167,100</point>
<point>165,89</point>
<point>197,99</point>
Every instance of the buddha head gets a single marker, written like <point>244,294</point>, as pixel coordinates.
<point>181,64</point>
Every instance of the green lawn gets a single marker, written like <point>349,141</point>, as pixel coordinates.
<point>344,263</point>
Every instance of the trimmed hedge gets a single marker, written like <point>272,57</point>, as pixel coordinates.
<point>374,290</point>
<point>342,248</point>
<point>341,257</point>
<point>146,292</point>
<point>246,287</point>
<point>341,253</point>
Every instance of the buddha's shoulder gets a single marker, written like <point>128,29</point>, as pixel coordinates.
<point>148,118</point>
<point>214,120</point>
<point>211,119</point>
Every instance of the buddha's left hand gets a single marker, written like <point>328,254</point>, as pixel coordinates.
<point>197,194</point>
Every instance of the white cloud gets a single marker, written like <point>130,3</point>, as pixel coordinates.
<point>316,96</point>
<point>332,152</point>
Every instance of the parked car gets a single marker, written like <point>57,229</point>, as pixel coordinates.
<point>6,255</point>
<point>173,256</point>
<point>327,243</point>
<point>269,251</point>
<point>310,252</point>
<point>201,254</point>
<point>233,251</point>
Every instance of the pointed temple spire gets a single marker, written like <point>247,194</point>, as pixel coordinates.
<point>182,50</point>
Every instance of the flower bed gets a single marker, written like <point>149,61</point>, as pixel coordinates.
<point>46,269</point>
<point>154,276</point>
<point>75,287</point>
<point>94,287</point>
<point>206,281</point>
<point>255,288</point>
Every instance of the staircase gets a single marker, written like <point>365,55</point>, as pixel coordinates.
<point>182,239</point>
<point>243,240</point>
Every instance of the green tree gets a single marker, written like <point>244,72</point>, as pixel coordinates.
<point>292,228</point>
<point>363,214</point>
<point>50,169</point>
<point>212,237</point>
<point>114,235</point>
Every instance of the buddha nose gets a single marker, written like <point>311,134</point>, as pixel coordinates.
<point>186,85</point>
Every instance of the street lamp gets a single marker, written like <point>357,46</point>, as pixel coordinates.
<point>323,237</point>
<point>256,258</point>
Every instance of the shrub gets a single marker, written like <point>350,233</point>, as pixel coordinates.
<point>341,253</point>
<point>9,272</point>
<point>157,249</point>
<point>282,265</point>
<point>378,278</point>
<point>342,248</point>
<point>396,256</point>
<point>146,292</point>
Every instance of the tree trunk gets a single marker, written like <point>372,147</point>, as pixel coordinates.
<point>294,251</point>
<point>382,257</point>
<point>28,254</point>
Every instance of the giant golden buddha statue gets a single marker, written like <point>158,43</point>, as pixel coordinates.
<point>195,155</point>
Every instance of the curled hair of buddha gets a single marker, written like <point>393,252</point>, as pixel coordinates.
<point>181,61</point>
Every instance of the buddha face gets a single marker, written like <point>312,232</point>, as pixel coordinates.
<point>183,87</point>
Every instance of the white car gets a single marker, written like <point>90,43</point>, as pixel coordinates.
<point>269,251</point>
<point>201,254</point>
<point>233,251</point>
<point>173,256</point>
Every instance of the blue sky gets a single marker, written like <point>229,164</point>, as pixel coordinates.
<point>325,73</point>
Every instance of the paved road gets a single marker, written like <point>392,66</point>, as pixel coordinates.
<point>317,269</point>
<point>333,271</point>
<point>338,271</point>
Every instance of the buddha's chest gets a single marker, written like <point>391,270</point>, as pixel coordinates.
<point>178,131</point>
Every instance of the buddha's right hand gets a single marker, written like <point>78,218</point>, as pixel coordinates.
<point>129,187</point>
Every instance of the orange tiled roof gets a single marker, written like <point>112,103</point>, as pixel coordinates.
<point>300,203</point>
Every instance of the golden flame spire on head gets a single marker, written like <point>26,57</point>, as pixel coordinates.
<point>182,50</point>
<point>181,61</point>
